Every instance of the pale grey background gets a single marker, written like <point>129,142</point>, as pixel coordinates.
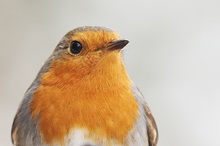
<point>173,57</point>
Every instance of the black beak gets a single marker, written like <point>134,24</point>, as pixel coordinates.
<point>116,44</point>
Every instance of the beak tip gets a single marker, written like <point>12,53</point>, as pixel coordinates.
<point>126,41</point>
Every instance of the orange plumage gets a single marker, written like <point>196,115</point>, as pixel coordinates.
<point>84,86</point>
<point>74,93</point>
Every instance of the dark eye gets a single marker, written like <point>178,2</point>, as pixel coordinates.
<point>75,47</point>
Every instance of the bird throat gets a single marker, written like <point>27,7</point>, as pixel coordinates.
<point>102,103</point>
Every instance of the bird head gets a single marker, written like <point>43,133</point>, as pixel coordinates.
<point>85,50</point>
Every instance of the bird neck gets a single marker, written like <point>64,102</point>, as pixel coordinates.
<point>107,73</point>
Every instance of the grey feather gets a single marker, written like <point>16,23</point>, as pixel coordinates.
<point>148,123</point>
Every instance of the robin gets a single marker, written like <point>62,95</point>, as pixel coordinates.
<point>83,96</point>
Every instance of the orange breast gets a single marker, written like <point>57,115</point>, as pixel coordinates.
<point>101,102</point>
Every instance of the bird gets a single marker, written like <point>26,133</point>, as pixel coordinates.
<point>83,96</point>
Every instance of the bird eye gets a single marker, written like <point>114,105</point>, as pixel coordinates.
<point>75,47</point>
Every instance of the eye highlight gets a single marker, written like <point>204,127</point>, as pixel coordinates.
<point>75,47</point>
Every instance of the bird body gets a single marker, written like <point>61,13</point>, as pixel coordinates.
<point>83,96</point>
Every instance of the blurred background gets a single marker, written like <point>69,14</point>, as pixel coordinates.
<point>173,57</point>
